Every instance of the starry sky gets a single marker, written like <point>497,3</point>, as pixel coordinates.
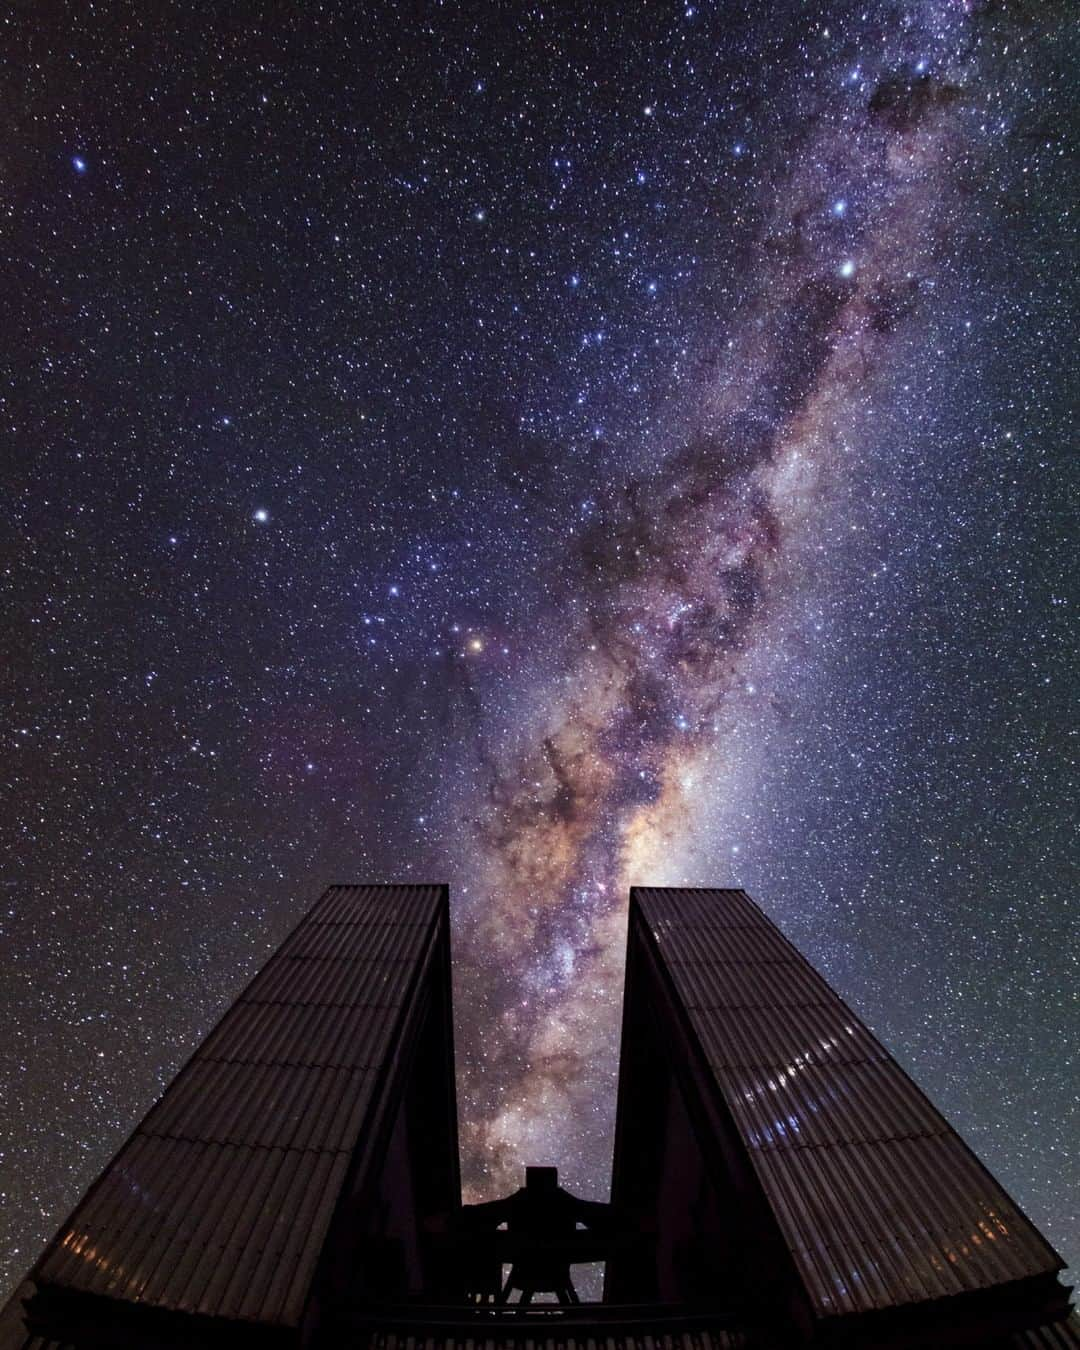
<point>543,449</point>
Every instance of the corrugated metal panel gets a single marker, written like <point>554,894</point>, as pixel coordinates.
<point>562,1340</point>
<point>878,1199</point>
<point>1063,1335</point>
<point>220,1201</point>
<point>543,1332</point>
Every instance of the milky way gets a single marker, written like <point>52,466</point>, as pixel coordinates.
<point>544,450</point>
<point>683,573</point>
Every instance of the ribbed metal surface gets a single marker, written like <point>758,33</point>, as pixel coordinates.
<point>220,1201</point>
<point>879,1201</point>
<point>600,1337</point>
<point>1060,1336</point>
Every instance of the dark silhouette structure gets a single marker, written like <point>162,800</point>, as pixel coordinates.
<point>542,1222</point>
<point>778,1180</point>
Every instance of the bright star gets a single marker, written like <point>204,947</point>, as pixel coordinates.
<point>262,515</point>
<point>79,164</point>
<point>847,268</point>
<point>839,207</point>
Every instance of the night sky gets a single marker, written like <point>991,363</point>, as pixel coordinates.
<point>541,449</point>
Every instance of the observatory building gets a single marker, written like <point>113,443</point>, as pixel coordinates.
<point>778,1180</point>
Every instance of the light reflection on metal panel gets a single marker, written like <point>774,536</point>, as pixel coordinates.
<point>220,1201</point>
<point>878,1199</point>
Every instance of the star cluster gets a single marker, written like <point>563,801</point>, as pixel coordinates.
<point>545,449</point>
